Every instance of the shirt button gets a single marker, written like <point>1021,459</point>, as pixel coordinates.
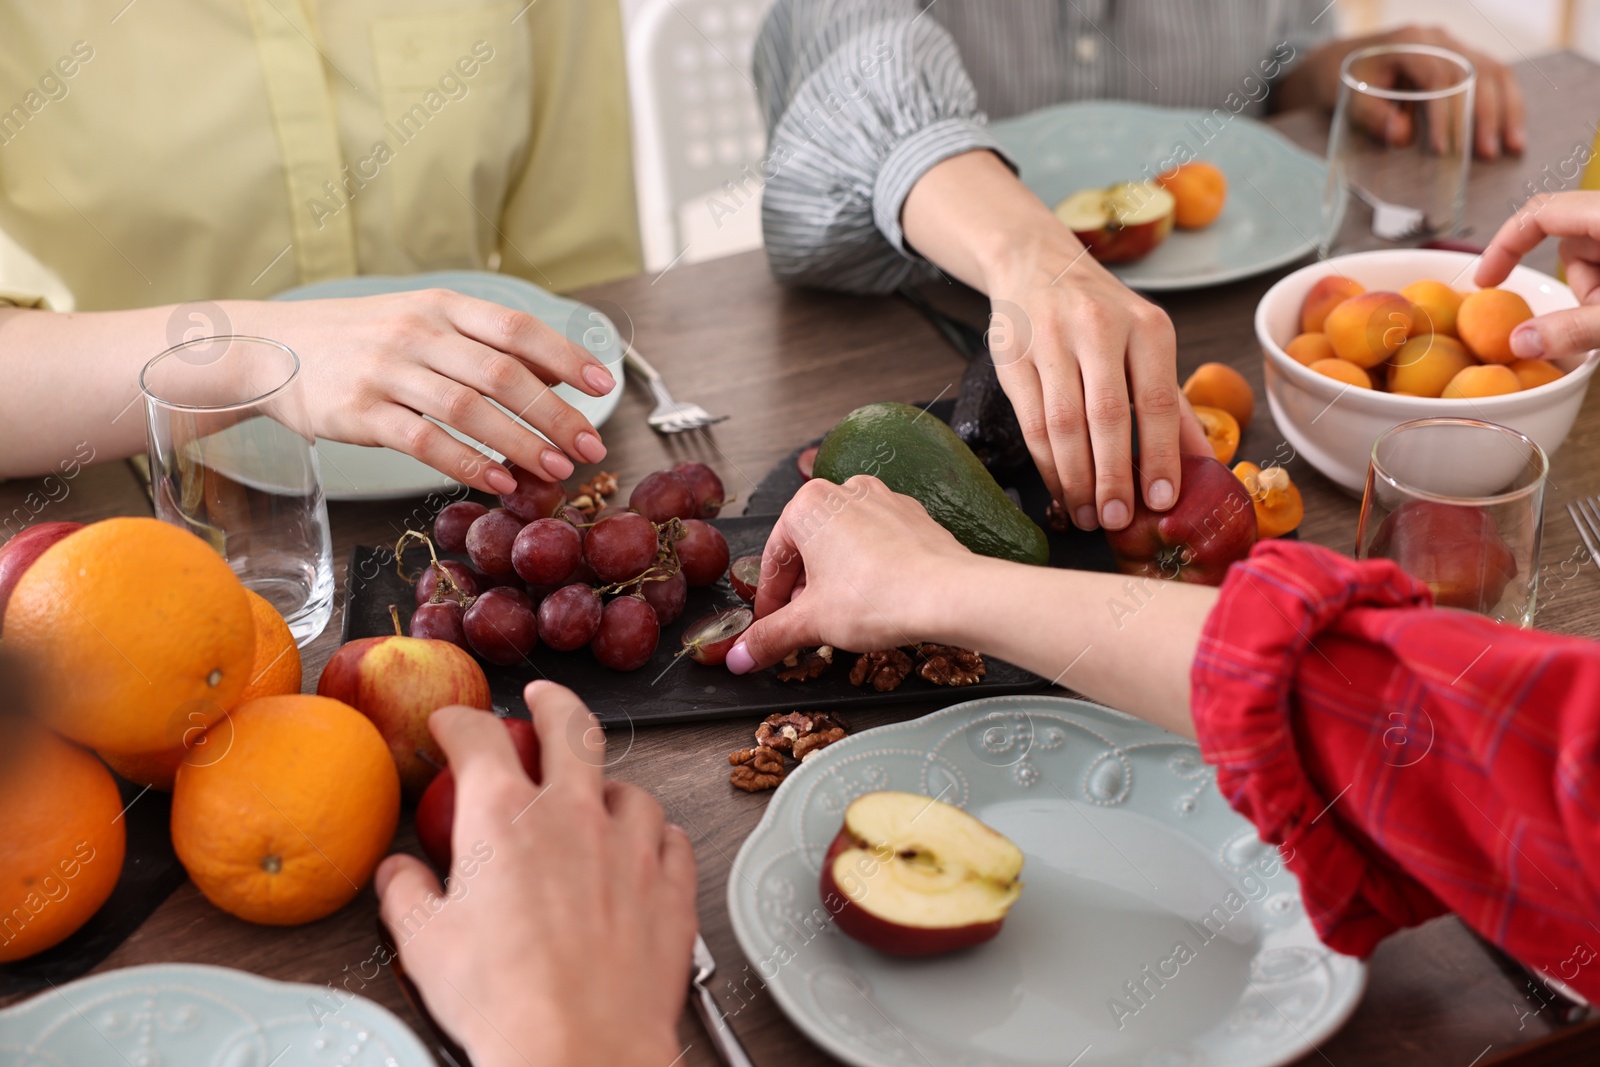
<point>1087,48</point>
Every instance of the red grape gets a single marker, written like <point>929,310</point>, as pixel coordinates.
<point>709,639</point>
<point>570,617</point>
<point>546,551</point>
<point>629,631</point>
<point>607,511</point>
<point>744,575</point>
<point>667,596</point>
<point>662,496</point>
<point>709,494</point>
<point>703,552</point>
<point>533,498</point>
<point>450,525</point>
<point>501,626</point>
<point>489,541</point>
<point>460,573</point>
<point>620,547</point>
<point>441,622</point>
<point>568,513</point>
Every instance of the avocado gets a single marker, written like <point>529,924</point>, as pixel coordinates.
<point>985,419</point>
<point>915,453</point>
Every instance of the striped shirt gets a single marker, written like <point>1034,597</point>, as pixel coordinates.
<point>862,97</point>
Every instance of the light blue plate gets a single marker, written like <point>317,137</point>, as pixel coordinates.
<point>353,472</point>
<point>184,1015</point>
<point>1274,211</point>
<point>1131,851</point>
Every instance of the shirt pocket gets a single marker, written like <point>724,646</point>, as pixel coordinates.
<point>456,92</point>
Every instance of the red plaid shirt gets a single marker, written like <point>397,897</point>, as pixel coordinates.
<point>1411,760</point>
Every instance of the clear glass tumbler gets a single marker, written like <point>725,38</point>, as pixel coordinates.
<point>1414,184</point>
<point>1459,504</point>
<point>232,460</point>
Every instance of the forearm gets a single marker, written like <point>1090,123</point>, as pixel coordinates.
<point>1126,642</point>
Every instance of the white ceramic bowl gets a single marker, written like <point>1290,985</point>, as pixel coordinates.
<point>1333,426</point>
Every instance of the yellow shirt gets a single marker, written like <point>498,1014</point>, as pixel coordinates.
<point>208,149</point>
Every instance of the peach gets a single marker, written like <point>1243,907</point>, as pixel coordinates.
<point>1217,385</point>
<point>1341,370</point>
<point>1368,329</point>
<point>1309,347</point>
<point>1436,305</point>
<point>1486,320</point>
<point>1200,191</point>
<point>1324,296</point>
<point>1426,364</point>
<point>1532,372</point>
<point>1491,379</point>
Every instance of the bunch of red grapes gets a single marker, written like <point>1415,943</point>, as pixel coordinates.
<point>543,571</point>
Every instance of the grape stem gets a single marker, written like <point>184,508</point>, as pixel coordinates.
<point>446,587</point>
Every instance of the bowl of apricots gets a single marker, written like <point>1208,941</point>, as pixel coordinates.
<point>1360,343</point>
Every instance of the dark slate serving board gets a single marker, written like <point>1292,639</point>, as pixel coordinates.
<point>664,691</point>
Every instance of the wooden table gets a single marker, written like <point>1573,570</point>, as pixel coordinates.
<point>787,364</point>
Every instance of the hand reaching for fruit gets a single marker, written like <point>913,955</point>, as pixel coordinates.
<point>564,902</point>
<point>1574,217</point>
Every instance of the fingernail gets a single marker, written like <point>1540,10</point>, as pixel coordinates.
<point>598,378</point>
<point>674,828</point>
<point>557,464</point>
<point>1160,495</point>
<point>590,448</point>
<point>1526,342</point>
<point>1114,515</point>
<point>1086,518</point>
<point>384,874</point>
<point>500,480</point>
<point>740,661</point>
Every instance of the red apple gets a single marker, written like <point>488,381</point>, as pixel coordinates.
<point>18,554</point>
<point>1454,549</point>
<point>436,811</point>
<point>397,682</point>
<point>1120,224</point>
<point>913,876</point>
<point>1212,526</point>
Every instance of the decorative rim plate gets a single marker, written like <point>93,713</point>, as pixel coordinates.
<point>355,472</point>
<point>187,1015</point>
<point>1131,853</point>
<point>1275,189</point>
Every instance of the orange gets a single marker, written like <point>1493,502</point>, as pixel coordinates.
<point>157,770</point>
<point>137,631</point>
<point>1533,372</point>
<point>1485,320</point>
<point>1490,379</point>
<point>1307,348</point>
<point>1436,305</point>
<point>62,847</point>
<point>287,822</point>
<point>1198,190</point>
<point>1217,385</point>
<point>1343,371</point>
<point>1222,431</point>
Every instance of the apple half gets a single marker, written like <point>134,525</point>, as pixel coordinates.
<point>1122,223</point>
<point>909,875</point>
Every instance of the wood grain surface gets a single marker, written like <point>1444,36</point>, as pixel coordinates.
<point>786,364</point>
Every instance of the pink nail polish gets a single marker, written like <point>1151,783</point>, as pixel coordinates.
<point>557,464</point>
<point>500,480</point>
<point>590,447</point>
<point>740,661</point>
<point>598,378</point>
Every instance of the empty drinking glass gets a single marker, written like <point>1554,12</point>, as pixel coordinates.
<point>1459,504</point>
<point>232,460</point>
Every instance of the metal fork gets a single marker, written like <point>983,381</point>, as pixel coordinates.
<point>1393,222</point>
<point>1586,517</point>
<point>669,415</point>
<point>722,1036</point>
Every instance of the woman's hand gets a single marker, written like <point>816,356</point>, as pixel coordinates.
<point>569,940</point>
<point>1497,112</point>
<point>1575,218</point>
<point>856,566</point>
<point>375,365</point>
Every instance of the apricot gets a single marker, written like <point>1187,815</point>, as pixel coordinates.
<point>1342,370</point>
<point>1217,385</point>
<point>1436,305</point>
<point>1368,329</point>
<point>1222,431</point>
<point>1490,379</point>
<point>1307,348</point>
<point>1486,320</point>
<point>1278,505</point>
<point>1426,364</point>
<point>1199,190</point>
<point>1324,296</point>
<point>1532,372</point>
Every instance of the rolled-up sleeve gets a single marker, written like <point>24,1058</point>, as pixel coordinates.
<point>1409,760</point>
<point>861,99</point>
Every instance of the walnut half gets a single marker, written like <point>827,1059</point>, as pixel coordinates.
<point>811,743</point>
<point>756,769</point>
<point>885,670</point>
<point>804,666</point>
<point>948,665</point>
<point>784,730</point>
